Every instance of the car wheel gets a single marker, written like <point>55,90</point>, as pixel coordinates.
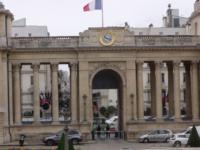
<point>50,143</point>
<point>75,141</point>
<point>167,140</point>
<point>146,140</point>
<point>177,144</point>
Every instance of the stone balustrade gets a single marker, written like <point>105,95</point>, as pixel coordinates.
<point>45,42</point>
<point>76,41</point>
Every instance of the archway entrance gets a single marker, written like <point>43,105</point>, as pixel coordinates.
<point>107,104</point>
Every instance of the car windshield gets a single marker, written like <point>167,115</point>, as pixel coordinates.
<point>183,131</point>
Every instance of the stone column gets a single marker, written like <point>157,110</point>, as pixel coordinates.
<point>140,90</point>
<point>188,89</point>
<point>55,108</point>
<point>17,93</point>
<point>153,91</point>
<point>176,66</point>
<point>158,90</point>
<point>170,88</point>
<point>74,101</point>
<point>194,91</point>
<point>36,98</point>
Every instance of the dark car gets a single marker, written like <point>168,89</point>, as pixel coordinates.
<point>74,136</point>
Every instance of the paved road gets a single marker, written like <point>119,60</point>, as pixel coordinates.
<point>102,145</point>
<point>121,145</point>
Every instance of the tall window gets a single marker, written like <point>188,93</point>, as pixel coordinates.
<point>27,93</point>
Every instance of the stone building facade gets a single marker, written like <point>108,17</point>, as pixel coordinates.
<point>100,58</point>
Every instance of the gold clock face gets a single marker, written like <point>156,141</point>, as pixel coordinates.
<point>107,38</point>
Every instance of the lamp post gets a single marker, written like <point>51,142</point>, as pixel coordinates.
<point>132,97</point>
<point>84,104</point>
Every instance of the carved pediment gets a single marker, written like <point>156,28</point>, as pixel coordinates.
<point>110,36</point>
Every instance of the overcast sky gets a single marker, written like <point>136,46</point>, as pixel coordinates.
<point>66,17</point>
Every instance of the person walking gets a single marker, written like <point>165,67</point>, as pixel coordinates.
<point>107,131</point>
<point>98,131</point>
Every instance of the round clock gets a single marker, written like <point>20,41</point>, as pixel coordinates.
<point>107,38</point>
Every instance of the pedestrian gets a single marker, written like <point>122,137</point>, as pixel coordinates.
<point>98,130</point>
<point>107,131</point>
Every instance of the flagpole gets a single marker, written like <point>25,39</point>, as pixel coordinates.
<point>102,14</point>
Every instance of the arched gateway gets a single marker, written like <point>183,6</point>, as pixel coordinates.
<point>106,80</point>
<point>157,78</point>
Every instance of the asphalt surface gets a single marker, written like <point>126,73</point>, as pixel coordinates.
<point>102,145</point>
<point>124,145</point>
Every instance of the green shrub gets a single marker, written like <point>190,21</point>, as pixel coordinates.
<point>194,140</point>
<point>61,145</point>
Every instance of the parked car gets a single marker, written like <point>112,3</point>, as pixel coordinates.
<point>112,120</point>
<point>73,135</point>
<point>158,135</point>
<point>181,138</point>
<point>113,123</point>
<point>178,140</point>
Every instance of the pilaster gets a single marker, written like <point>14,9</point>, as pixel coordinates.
<point>131,97</point>
<point>17,93</point>
<point>84,97</point>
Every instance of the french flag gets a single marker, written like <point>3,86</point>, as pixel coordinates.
<point>94,5</point>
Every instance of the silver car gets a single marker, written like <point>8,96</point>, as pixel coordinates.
<point>158,135</point>
<point>73,135</point>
